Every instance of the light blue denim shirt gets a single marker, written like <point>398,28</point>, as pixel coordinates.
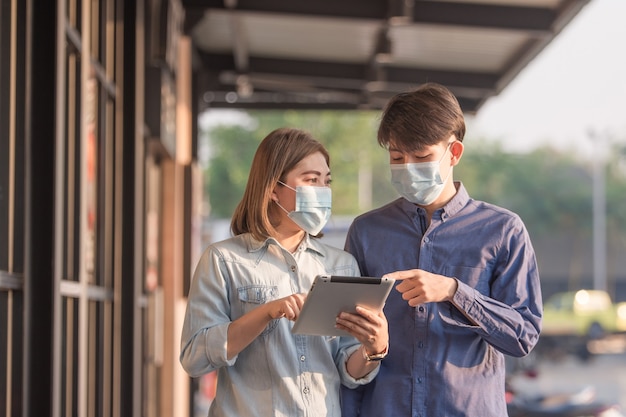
<point>279,373</point>
<point>447,359</point>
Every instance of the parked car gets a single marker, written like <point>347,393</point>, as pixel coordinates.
<point>571,319</point>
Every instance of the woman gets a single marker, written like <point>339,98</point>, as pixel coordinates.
<point>247,291</point>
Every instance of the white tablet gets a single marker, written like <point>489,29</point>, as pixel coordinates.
<point>332,294</point>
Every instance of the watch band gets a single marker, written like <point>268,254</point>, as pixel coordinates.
<point>375,357</point>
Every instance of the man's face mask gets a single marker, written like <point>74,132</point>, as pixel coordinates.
<point>419,182</point>
<point>312,209</point>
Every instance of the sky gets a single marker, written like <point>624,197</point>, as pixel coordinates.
<point>573,90</point>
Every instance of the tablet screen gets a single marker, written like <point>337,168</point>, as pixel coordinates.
<point>332,294</point>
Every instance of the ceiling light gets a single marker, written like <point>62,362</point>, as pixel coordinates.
<point>384,48</point>
<point>401,12</point>
<point>244,86</point>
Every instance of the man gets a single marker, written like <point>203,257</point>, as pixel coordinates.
<point>468,289</point>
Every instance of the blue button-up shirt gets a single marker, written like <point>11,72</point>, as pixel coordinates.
<point>279,373</point>
<point>447,359</point>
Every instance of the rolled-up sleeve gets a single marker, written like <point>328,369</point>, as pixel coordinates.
<point>346,379</point>
<point>204,335</point>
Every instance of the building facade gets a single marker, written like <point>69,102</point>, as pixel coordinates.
<point>97,177</point>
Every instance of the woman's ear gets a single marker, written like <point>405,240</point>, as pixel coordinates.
<point>274,196</point>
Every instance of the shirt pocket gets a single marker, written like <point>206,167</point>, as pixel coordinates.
<point>252,296</point>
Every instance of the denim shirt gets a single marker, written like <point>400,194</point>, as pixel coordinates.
<point>279,373</point>
<point>446,359</point>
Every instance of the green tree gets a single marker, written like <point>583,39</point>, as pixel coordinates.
<point>550,190</point>
<point>350,138</point>
<point>232,149</point>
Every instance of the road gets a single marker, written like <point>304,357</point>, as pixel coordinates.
<point>605,371</point>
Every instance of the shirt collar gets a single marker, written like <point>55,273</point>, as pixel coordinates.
<point>460,200</point>
<point>308,244</point>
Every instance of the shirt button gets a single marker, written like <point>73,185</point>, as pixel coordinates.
<point>293,268</point>
<point>421,309</point>
<point>421,344</point>
<point>306,390</point>
<point>426,240</point>
<point>302,358</point>
<point>419,380</point>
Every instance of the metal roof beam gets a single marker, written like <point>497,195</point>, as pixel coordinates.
<point>217,63</point>
<point>358,9</point>
<point>513,17</point>
<point>533,19</point>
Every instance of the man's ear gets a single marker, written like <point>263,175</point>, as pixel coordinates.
<point>456,149</point>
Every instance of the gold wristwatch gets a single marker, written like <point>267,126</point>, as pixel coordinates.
<point>375,357</point>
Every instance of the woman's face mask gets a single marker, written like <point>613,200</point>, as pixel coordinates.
<point>419,182</point>
<point>312,209</point>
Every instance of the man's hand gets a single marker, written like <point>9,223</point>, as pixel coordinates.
<point>419,286</point>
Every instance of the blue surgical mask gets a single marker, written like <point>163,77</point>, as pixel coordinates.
<point>419,182</point>
<point>312,209</point>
